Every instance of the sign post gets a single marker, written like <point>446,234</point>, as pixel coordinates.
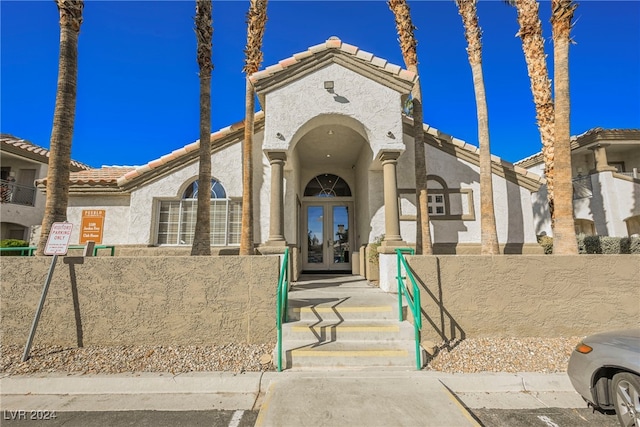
<point>57,244</point>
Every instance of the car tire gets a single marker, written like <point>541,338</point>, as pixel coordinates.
<point>625,389</point>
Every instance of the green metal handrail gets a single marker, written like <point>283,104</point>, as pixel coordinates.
<point>414,301</point>
<point>24,250</point>
<point>30,250</point>
<point>282,302</point>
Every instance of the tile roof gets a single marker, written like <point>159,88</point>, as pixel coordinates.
<point>218,139</point>
<point>119,176</point>
<point>334,43</point>
<point>469,152</point>
<point>586,138</point>
<point>101,176</point>
<point>32,151</point>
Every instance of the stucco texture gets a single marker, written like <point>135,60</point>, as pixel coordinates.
<point>141,301</point>
<point>526,295</point>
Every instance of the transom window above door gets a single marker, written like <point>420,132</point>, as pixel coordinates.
<point>327,185</point>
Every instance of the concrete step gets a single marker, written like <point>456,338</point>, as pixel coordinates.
<point>338,354</point>
<point>314,331</point>
<point>327,312</point>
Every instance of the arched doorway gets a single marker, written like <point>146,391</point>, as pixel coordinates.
<point>327,220</point>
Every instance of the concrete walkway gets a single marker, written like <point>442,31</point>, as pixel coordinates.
<point>329,398</point>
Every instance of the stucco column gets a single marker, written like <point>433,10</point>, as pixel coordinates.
<point>389,161</point>
<point>276,211</point>
<point>600,157</point>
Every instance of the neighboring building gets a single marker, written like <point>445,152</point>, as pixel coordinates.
<point>606,185</point>
<point>22,207</point>
<point>333,172</point>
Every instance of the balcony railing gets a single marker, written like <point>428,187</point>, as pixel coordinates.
<point>582,187</point>
<point>10,192</point>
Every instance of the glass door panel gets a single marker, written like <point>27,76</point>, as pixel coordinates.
<point>340,227</point>
<point>327,237</point>
<point>315,235</point>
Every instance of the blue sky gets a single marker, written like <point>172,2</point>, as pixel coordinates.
<point>138,77</point>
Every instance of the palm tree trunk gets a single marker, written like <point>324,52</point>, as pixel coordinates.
<point>564,235</point>
<point>63,119</point>
<point>535,57</point>
<point>256,22</point>
<point>489,234</point>
<point>408,45</point>
<point>246,236</point>
<point>204,34</point>
<point>423,232</point>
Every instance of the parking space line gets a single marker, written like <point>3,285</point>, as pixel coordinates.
<point>547,421</point>
<point>235,420</point>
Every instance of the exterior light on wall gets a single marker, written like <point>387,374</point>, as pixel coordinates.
<point>391,135</point>
<point>280,136</point>
<point>330,132</point>
<point>328,85</point>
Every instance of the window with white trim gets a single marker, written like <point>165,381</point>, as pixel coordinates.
<point>435,203</point>
<point>177,218</point>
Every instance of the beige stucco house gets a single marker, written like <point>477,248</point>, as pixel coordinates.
<point>21,206</point>
<point>606,183</point>
<point>333,172</point>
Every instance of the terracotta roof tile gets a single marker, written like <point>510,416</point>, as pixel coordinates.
<point>334,43</point>
<point>104,176</point>
<point>585,137</point>
<point>216,137</point>
<point>33,151</point>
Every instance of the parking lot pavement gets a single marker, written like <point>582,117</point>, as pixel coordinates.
<point>525,400</point>
<point>214,418</point>
<point>544,417</point>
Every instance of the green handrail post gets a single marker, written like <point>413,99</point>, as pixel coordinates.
<point>282,303</point>
<point>414,303</point>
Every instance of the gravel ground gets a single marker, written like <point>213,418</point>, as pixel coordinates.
<point>470,355</point>
<point>124,359</point>
<point>545,355</point>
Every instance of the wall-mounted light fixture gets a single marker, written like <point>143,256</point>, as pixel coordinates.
<point>330,132</point>
<point>328,85</point>
<point>391,135</point>
<point>280,136</point>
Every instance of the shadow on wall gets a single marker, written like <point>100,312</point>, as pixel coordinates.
<point>596,205</point>
<point>72,261</point>
<point>515,225</point>
<point>440,321</point>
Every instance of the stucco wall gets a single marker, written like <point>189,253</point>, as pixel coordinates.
<point>116,219</point>
<point>526,295</point>
<point>512,203</point>
<point>359,99</point>
<point>136,301</point>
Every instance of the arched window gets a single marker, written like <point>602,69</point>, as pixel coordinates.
<point>327,185</point>
<point>217,190</point>
<point>177,218</point>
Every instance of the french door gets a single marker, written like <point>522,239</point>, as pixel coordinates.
<point>328,236</point>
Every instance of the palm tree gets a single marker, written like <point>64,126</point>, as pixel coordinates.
<point>256,20</point>
<point>204,34</point>
<point>535,57</point>
<point>63,119</point>
<point>564,235</point>
<point>408,45</point>
<point>489,235</point>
